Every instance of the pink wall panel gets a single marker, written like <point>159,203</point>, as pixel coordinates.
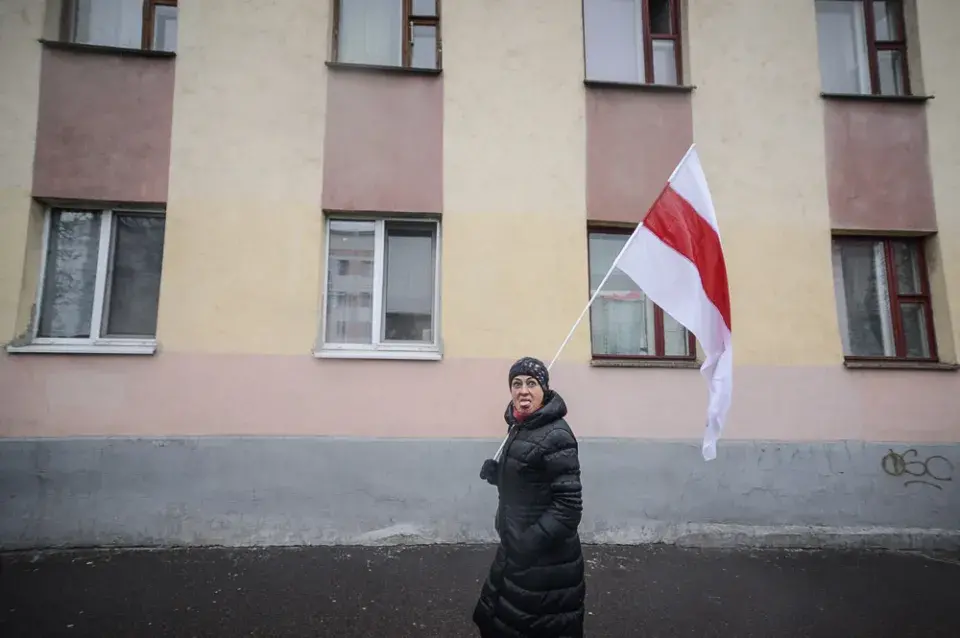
<point>383,149</point>
<point>104,126</point>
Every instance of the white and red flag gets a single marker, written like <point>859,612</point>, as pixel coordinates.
<point>676,258</point>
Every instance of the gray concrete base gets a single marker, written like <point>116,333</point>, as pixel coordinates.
<point>306,491</point>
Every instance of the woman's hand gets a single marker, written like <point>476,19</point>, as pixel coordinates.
<point>489,471</point>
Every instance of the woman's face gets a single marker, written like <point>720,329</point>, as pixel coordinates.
<point>527,394</point>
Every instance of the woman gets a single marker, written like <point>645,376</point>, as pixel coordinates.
<point>536,585</point>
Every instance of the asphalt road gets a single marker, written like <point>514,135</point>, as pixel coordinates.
<point>430,591</point>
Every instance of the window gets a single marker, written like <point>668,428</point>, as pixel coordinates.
<point>100,279</point>
<point>862,46</point>
<point>883,299</point>
<point>382,288</point>
<point>624,323</point>
<point>402,33</point>
<point>128,24</point>
<point>633,41</point>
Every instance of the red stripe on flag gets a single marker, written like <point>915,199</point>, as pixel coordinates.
<point>678,225</point>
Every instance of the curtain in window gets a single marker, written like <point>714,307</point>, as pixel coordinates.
<point>371,32</point>
<point>863,299</point>
<point>66,307</point>
<point>165,28</point>
<point>117,23</point>
<point>410,257</point>
<point>621,326</point>
<point>842,45</point>
<point>613,32</point>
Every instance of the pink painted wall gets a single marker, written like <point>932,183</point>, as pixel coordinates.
<point>104,126</point>
<point>634,141</point>
<point>878,168</point>
<point>197,394</point>
<point>383,149</point>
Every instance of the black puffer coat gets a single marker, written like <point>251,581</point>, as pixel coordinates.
<point>536,584</point>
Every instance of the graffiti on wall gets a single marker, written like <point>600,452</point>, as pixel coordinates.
<point>932,471</point>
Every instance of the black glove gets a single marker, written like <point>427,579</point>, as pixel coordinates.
<point>489,471</point>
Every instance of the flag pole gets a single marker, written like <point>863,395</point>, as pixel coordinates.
<point>596,293</point>
<point>612,267</point>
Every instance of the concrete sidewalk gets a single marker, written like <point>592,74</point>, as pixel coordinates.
<point>429,592</point>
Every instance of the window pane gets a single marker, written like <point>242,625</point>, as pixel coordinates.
<point>914,319</point>
<point>621,319</point>
<point>661,17</point>
<point>842,46</point>
<point>907,264</point>
<point>424,8</point>
<point>863,300</point>
<point>135,278</point>
<point>613,40</point>
<point>349,310</point>
<point>165,28</point>
<point>424,54</point>
<point>410,256</point>
<point>886,14</point>
<point>371,32</point>
<point>891,72</point>
<point>676,340</point>
<point>664,62</point>
<point>66,307</point>
<point>116,23</point>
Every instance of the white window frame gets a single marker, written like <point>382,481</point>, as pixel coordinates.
<point>95,344</point>
<point>379,349</point>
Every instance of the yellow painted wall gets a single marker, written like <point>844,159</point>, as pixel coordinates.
<point>758,123</point>
<point>21,25</point>
<point>243,248</point>
<point>938,20</point>
<point>514,254</point>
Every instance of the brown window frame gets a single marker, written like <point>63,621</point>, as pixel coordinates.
<point>649,36</point>
<point>409,21</point>
<point>896,298</point>
<point>68,20</point>
<point>149,12</point>
<point>874,46</point>
<point>658,334</point>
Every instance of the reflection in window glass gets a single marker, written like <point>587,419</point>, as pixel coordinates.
<point>349,313</point>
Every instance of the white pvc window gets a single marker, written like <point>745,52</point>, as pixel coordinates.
<point>381,288</point>
<point>100,280</point>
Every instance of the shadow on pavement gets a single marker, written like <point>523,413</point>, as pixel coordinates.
<point>430,591</point>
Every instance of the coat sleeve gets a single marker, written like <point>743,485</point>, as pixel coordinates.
<point>562,517</point>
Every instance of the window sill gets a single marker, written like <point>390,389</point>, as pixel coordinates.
<point>100,347</point>
<point>645,363</point>
<point>635,86</point>
<point>893,364</point>
<point>381,355</point>
<point>376,68</point>
<point>109,50</point>
<point>868,97</point>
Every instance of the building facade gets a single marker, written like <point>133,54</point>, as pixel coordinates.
<point>264,265</point>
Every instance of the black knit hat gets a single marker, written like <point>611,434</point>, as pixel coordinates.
<point>528,366</point>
